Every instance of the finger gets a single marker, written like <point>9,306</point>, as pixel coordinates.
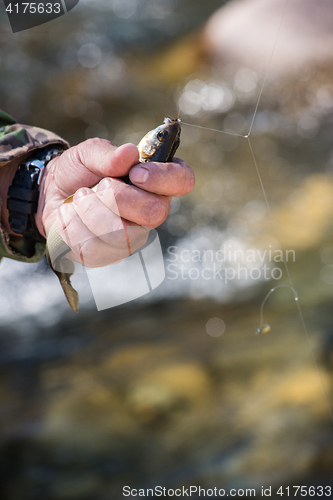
<point>95,253</point>
<point>132,203</point>
<point>89,249</point>
<point>105,223</point>
<point>172,179</point>
<point>88,162</point>
<point>85,244</point>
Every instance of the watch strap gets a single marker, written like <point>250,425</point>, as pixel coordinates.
<point>23,194</point>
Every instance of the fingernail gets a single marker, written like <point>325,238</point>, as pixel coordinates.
<point>139,174</point>
<point>79,194</point>
<point>104,184</point>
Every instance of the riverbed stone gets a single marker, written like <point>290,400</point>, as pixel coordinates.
<point>244,32</point>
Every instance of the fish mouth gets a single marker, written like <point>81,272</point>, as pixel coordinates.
<point>173,125</point>
<point>172,121</point>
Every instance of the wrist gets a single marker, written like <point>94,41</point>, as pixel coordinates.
<point>39,217</point>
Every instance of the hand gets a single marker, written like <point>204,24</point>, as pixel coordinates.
<point>106,226</point>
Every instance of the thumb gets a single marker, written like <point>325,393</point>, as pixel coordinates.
<point>87,163</point>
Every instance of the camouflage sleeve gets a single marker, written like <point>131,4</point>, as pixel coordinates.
<point>19,141</point>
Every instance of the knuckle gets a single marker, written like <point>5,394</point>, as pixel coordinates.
<point>158,213</point>
<point>116,237</point>
<point>81,151</point>
<point>67,231</point>
<point>86,212</point>
<point>86,205</point>
<point>118,189</point>
<point>94,142</point>
<point>189,181</point>
<point>116,198</point>
<point>76,155</point>
<point>88,247</point>
<point>83,207</point>
<point>86,252</point>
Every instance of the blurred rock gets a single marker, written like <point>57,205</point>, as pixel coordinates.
<point>83,486</point>
<point>90,417</point>
<point>173,387</point>
<point>173,63</point>
<point>306,218</point>
<point>323,462</point>
<point>244,32</point>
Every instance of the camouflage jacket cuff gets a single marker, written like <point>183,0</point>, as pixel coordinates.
<point>18,141</point>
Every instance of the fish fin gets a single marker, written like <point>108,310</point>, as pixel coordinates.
<point>70,293</point>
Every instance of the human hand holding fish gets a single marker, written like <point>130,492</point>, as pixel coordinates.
<point>104,224</point>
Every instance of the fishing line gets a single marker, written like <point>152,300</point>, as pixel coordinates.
<point>265,328</point>
<point>215,130</point>
<point>261,89</point>
<point>268,67</point>
<point>269,210</point>
<point>329,408</point>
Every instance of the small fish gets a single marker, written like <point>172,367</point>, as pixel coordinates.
<point>160,144</point>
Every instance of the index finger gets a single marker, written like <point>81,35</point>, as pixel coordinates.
<point>170,179</point>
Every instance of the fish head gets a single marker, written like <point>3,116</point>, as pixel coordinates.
<point>161,143</point>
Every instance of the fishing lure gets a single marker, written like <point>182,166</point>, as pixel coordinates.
<point>159,144</point>
<point>264,327</point>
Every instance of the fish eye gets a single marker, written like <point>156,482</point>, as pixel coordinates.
<point>162,135</point>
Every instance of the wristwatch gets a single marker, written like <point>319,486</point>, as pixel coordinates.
<point>23,194</point>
